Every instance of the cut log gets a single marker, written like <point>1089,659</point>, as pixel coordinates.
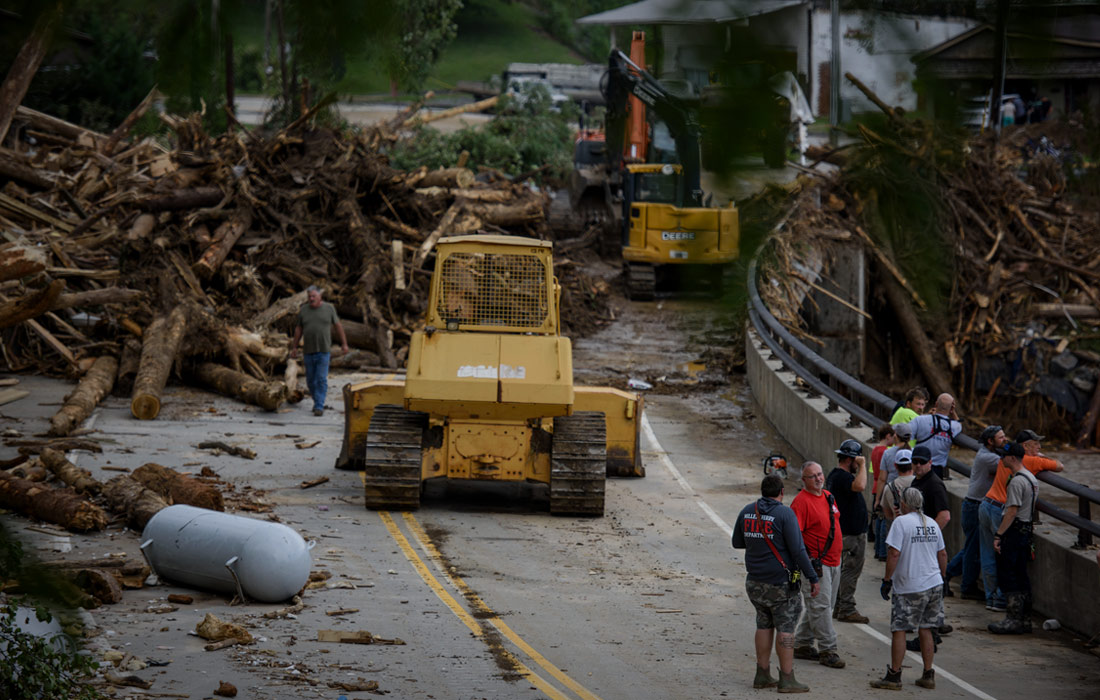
<point>141,228</point>
<point>80,480</point>
<point>183,199</point>
<point>279,310</point>
<point>225,237</point>
<point>177,488</point>
<point>97,297</point>
<point>26,63</point>
<point>448,177</point>
<point>100,584</point>
<point>507,214</point>
<point>36,303</point>
<point>46,122</point>
<point>290,381</point>
<point>96,384</point>
<point>479,106</point>
<point>60,507</point>
<point>10,168</point>
<point>266,395</point>
<point>441,228</point>
<point>158,354</point>
<point>129,498</point>
<point>17,261</point>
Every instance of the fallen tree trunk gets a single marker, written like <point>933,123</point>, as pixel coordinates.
<point>60,507</point>
<point>158,353</point>
<point>506,214</point>
<point>290,381</point>
<point>448,177</point>
<point>923,350</point>
<point>80,479</point>
<point>278,311</point>
<point>177,488</point>
<point>12,313</point>
<point>96,384</point>
<point>478,106</point>
<point>97,297</point>
<point>17,171</point>
<point>25,65</point>
<point>225,238</point>
<point>128,123</point>
<point>183,199</point>
<point>128,497</point>
<point>266,395</point>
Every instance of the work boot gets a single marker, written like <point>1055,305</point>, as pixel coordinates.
<point>972,594</point>
<point>945,629</point>
<point>831,659</point>
<point>763,678</point>
<point>807,653</point>
<point>891,681</point>
<point>788,684</point>
<point>947,590</point>
<point>1014,620</point>
<point>914,643</point>
<point>1025,613</point>
<point>854,616</point>
<point>928,680</point>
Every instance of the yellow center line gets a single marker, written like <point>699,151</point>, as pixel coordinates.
<point>492,617</point>
<point>460,612</point>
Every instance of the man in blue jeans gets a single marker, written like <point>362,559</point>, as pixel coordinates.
<point>316,319</point>
<point>989,513</point>
<point>969,560</point>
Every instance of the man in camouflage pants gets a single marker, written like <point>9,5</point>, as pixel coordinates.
<point>915,567</point>
<point>776,560</point>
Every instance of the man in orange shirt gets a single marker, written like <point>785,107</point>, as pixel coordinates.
<point>819,520</point>
<point>992,506</point>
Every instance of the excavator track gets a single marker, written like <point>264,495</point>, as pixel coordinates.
<point>392,458</point>
<point>578,464</point>
<point>641,281</point>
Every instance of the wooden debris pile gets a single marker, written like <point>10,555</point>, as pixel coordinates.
<point>132,263</point>
<point>1015,338</point>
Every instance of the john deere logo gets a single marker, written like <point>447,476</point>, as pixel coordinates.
<point>677,235</point>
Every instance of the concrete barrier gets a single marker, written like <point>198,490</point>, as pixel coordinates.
<point>1065,581</point>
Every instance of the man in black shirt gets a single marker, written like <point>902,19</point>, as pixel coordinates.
<point>936,506</point>
<point>847,483</point>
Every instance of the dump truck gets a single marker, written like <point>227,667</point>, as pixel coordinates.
<point>488,393</point>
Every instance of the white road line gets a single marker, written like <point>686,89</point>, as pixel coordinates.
<point>662,456</point>
<point>659,451</point>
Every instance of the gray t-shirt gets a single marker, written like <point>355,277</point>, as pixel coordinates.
<point>1022,490</point>
<point>886,463</point>
<point>936,433</point>
<point>317,326</point>
<point>981,473</point>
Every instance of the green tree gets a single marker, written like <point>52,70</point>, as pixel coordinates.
<point>423,29</point>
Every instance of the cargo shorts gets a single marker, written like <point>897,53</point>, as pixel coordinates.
<point>776,606</point>
<point>912,611</point>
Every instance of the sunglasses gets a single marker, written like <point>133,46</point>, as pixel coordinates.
<point>921,461</point>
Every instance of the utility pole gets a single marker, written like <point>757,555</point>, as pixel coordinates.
<point>834,72</point>
<point>1000,51</point>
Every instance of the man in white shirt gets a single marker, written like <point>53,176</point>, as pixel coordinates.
<point>915,566</point>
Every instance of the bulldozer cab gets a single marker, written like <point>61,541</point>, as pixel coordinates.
<point>497,284</point>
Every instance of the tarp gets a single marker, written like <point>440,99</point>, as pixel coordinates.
<point>687,11</point>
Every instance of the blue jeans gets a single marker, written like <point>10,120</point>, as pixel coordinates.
<point>317,377</point>
<point>968,559</point>
<point>989,519</point>
<point>882,528</point>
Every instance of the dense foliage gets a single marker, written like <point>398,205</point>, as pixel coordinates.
<point>528,133</point>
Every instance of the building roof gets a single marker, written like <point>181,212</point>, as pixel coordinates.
<point>687,11</point>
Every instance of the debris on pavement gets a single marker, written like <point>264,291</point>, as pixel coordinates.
<point>358,637</point>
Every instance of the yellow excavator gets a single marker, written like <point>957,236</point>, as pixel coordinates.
<point>488,393</point>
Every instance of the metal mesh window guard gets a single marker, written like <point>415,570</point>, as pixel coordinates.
<point>493,289</point>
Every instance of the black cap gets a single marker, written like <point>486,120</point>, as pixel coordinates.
<point>1025,435</point>
<point>1013,449</point>
<point>922,454</point>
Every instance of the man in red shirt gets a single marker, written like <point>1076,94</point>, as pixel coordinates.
<point>819,520</point>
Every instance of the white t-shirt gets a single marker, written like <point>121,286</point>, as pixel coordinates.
<point>918,568</point>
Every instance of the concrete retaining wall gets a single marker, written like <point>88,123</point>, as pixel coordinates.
<point>1065,581</point>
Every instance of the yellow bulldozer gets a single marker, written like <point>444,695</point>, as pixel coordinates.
<point>488,391</point>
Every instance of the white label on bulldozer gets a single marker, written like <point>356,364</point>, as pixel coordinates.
<point>510,372</point>
<point>478,372</point>
<point>677,235</point>
<point>678,254</point>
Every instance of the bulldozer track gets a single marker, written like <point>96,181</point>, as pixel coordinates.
<point>578,464</point>
<point>641,281</point>
<point>392,458</point>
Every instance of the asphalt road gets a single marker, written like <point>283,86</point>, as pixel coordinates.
<point>493,597</point>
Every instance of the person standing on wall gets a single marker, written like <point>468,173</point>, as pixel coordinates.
<point>316,319</point>
<point>775,563</point>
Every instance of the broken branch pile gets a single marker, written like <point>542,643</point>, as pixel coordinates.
<point>191,261</point>
<point>987,281</point>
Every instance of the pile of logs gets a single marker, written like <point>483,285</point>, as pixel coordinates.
<point>1013,337</point>
<point>131,263</point>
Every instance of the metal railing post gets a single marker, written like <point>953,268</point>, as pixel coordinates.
<point>1084,509</point>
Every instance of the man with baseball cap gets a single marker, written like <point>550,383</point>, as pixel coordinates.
<point>847,483</point>
<point>891,497</point>
<point>1012,542</point>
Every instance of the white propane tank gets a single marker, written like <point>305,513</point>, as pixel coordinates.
<point>256,559</point>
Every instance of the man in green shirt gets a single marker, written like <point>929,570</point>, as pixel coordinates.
<point>316,319</point>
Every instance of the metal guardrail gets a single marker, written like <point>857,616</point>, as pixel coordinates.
<point>872,408</point>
